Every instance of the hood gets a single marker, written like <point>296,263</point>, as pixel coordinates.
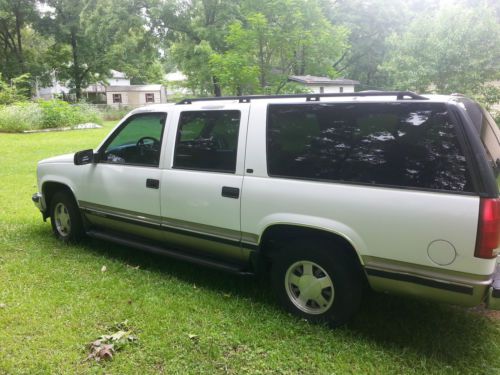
<point>67,158</point>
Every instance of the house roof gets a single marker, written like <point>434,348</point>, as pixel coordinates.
<point>117,74</point>
<point>133,88</point>
<point>175,76</point>
<point>315,80</point>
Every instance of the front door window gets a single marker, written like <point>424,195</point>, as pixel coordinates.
<point>137,141</point>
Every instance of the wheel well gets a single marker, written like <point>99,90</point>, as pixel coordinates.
<point>49,189</point>
<point>275,238</point>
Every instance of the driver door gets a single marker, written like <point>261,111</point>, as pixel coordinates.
<point>122,190</point>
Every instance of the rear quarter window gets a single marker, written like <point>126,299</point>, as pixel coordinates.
<point>411,145</point>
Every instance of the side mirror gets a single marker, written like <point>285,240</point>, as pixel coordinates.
<point>84,157</point>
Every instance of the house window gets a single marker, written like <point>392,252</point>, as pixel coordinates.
<point>150,97</point>
<point>117,98</point>
<point>341,89</point>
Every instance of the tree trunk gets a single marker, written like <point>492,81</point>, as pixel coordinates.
<point>216,86</point>
<point>302,68</point>
<point>76,68</point>
<point>262,77</point>
<point>19,25</point>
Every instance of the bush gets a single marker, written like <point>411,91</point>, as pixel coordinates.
<point>14,91</point>
<point>57,114</point>
<point>20,116</point>
<point>45,114</point>
<point>112,113</point>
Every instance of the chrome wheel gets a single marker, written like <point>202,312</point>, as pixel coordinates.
<point>62,219</point>
<point>309,287</point>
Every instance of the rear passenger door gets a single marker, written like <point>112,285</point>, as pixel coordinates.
<point>200,198</point>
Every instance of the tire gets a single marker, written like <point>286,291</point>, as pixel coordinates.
<point>65,217</point>
<point>316,282</point>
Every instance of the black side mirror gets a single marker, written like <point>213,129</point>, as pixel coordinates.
<point>84,157</point>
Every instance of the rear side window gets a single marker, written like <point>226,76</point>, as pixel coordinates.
<point>410,145</point>
<point>207,141</point>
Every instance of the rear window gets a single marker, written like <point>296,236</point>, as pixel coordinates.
<point>410,145</point>
<point>490,136</point>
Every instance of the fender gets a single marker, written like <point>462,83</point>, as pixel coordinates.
<point>318,223</point>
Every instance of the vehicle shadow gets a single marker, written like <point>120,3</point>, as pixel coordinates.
<point>451,335</point>
<point>437,332</point>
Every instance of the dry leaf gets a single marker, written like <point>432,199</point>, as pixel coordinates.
<point>107,345</point>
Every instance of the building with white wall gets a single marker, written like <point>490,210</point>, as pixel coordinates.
<point>135,95</point>
<point>325,85</point>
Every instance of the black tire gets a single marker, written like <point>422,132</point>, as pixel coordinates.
<point>65,217</point>
<point>330,281</point>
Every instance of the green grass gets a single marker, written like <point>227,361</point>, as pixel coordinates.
<point>57,300</point>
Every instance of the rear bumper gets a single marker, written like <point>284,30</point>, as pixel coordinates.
<point>440,285</point>
<point>493,296</point>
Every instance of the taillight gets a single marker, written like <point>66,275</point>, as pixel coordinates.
<point>488,228</point>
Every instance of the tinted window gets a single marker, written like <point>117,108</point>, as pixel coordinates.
<point>207,140</point>
<point>137,142</point>
<point>401,144</point>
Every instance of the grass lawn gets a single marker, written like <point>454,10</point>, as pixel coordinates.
<point>54,300</point>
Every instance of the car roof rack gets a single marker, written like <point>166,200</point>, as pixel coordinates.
<point>400,95</point>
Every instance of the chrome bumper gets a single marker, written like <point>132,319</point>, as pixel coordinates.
<point>39,202</point>
<point>493,296</point>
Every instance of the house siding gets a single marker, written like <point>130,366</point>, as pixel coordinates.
<point>316,89</point>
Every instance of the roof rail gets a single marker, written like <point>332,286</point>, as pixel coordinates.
<point>400,95</point>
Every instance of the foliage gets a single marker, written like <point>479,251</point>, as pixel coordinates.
<point>196,29</point>
<point>14,91</point>
<point>14,15</point>
<point>45,114</point>
<point>192,59</point>
<point>456,49</point>
<point>58,113</point>
<point>98,36</point>
<point>20,116</point>
<point>370,22</point>
<point>121,335</point>
<point>268,41</point>
<point>111,112</point>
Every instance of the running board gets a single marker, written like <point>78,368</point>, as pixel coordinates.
<point>155,249</point>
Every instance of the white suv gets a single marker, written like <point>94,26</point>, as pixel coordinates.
<point>328,192</point>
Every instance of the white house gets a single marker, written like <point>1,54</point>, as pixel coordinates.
<point>118,79</point>
<point>135,95</point>
<point>176,85</point>
<point>325,85</point>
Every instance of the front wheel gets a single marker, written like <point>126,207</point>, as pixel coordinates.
<point>65,217</point>
<point>317,282</point>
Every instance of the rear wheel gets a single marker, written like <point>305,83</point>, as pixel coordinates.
<point>317,282</point>
<point>65,217</point>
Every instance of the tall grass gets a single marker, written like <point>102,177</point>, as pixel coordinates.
<point>20,116</point>
<point>23,116</point>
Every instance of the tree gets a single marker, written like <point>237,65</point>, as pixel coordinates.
<point>123,32</point>
<point>194,30</point>
<point>370,22</point>
<point>101,35</point>
<point>14,15</point>
<point>456,49</point>
<point>275,39</point>
<point>64,23</point>
<point>13,91</point>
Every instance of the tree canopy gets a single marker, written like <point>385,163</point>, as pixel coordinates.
<point>238,47</point>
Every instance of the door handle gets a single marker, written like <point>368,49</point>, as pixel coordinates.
<point>230,192</point>
<point>152,183</point>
